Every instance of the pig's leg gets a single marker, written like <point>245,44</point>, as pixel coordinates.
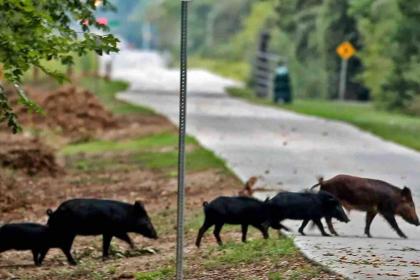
<point>302,227</point>
<point>330,226</point>
<point>216,232</point>
<point>281,226</point>
<point>244,232</point>
<point>35,256</point>
<point>124,237</point>
<point>106,242</point>
<point>321,227</point>
<point>69,257</point>
<point>263,229</point>
<point>370,215</point>
<point>391,220</point>
<point>201,232</point>
<point>67,248</point>
<point>42,255</point>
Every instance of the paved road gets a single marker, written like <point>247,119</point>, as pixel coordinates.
<point>289,151</point>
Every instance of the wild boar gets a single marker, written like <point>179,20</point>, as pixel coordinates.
<point>237,210</point>
<point>100,217</point>
<point>306,206</point>
<point>373,197</point>
<point>36,238</point>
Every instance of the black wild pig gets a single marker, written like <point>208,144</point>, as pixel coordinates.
<point>239,210</point>
<point>373,197</point>
<point>29,236</point>
<point>100,217</point>
<point>307,207</point>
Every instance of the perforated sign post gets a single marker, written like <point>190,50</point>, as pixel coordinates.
<point>181,145</point>
<point>345,50</point>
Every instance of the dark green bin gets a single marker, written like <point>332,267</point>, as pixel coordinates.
<point>282,89</point>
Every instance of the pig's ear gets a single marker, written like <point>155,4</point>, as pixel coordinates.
<point>138,204</point>
<point>406,192</point>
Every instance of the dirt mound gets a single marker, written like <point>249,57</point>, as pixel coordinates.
<point>11,197</point>
<point>74,112</point>
<point>28,155</point>
<point>77,113</point>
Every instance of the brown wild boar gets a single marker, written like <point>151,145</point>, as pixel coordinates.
<point>373,197</point>
<point>248,189</point>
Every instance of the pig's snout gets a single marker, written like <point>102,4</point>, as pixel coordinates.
<point>341,215</point>
<point>154,235</point>
<point>344,219</point>
<point>151,232</point>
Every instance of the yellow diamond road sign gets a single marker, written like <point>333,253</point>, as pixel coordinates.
<point>346,50</point>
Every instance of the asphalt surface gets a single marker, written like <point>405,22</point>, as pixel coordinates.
<point>288,151</point>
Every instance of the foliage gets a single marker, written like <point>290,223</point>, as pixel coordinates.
<point>210,24</point>
<point>307,32</point>
<point>32,32</point>
<point>312,30</point>
<point>390,54</point>
<point>384,33</point>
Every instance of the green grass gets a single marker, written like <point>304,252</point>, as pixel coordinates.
<point>198,159</point>
<point>158,151</point>
<point>106,91</point>
<point>142,143</point>
<point>232,69</point>
<point>161,274</point>
<point>250,252</point>
<point>392,126</point>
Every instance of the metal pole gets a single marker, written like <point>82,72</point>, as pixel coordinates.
<point>181,147</point>
<point>343,77</point>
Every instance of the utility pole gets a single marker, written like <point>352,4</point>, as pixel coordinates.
<point>181,144</point>
<point>343,79</point>
<point>345,50</point>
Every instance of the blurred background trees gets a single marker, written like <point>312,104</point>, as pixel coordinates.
<point>386,68</point>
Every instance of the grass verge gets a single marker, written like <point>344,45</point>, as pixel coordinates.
<point>233,253</point>
<point>156,151</point>
<point>232,69</point>
<point>396,127</point>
